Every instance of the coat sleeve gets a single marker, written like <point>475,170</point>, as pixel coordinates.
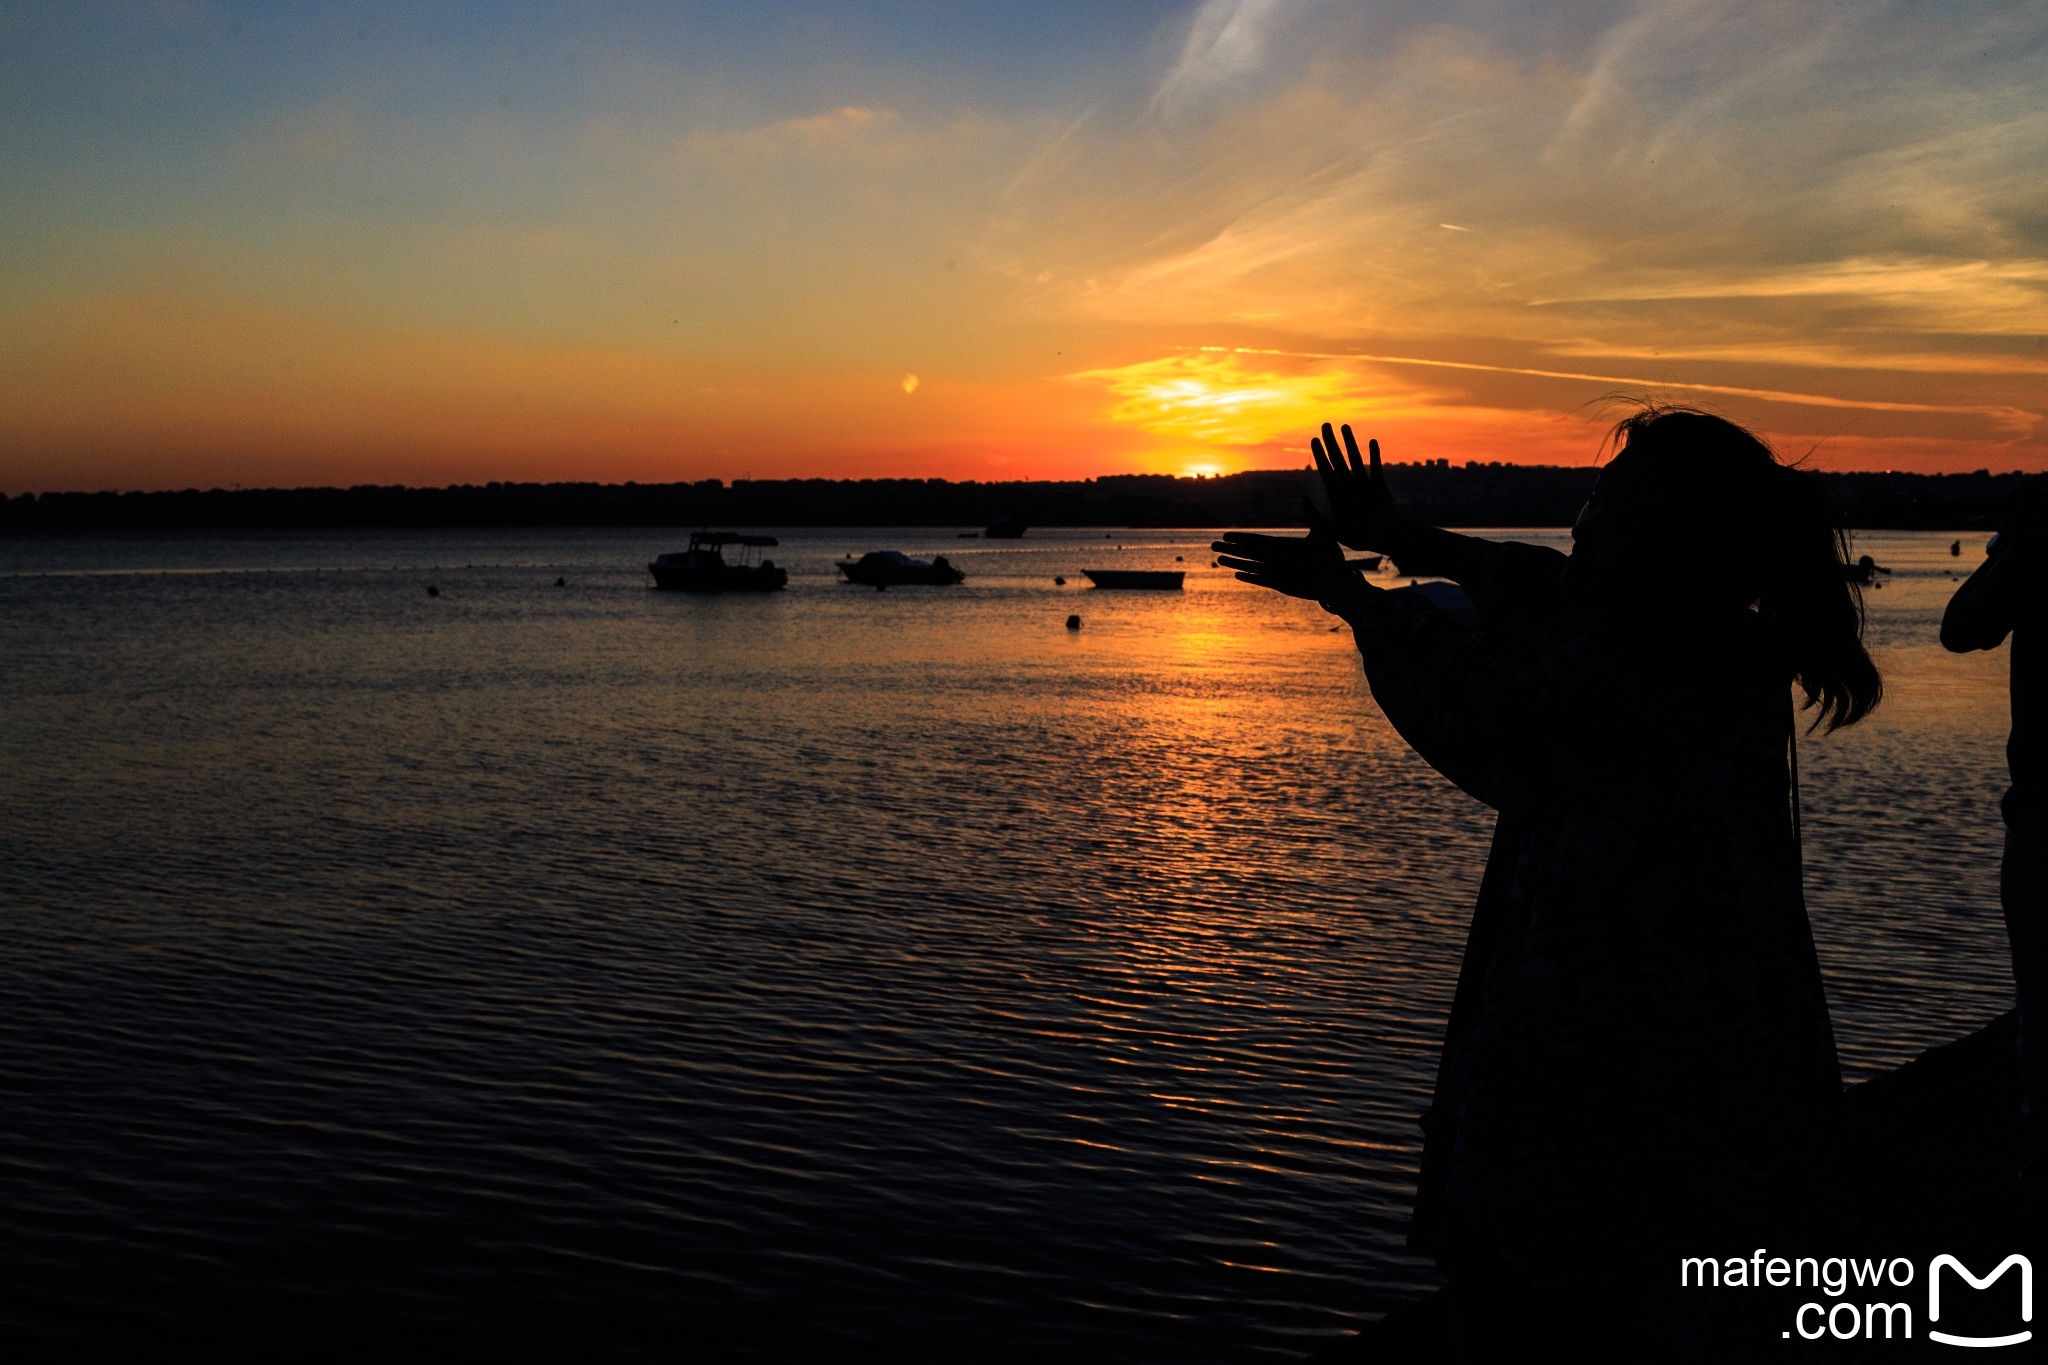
<point>1479,700</point>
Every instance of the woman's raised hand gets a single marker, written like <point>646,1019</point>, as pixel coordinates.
<point>1297,567</point>
<point>1364,513</point>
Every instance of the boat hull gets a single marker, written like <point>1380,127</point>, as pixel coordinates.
<point>1166,580</point>
<point>730,578</point>
<point>873,576</point>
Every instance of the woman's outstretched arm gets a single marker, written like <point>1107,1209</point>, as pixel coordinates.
<point>1464,702</point>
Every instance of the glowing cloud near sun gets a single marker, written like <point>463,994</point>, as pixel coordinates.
<point>1212,409</point>
<point>1229,399</point>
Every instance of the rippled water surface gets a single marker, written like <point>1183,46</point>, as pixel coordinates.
<point>825,967</point>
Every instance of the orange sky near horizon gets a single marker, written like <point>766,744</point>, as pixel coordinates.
<point>247,248</point>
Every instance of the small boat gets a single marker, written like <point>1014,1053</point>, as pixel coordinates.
<point>1135,578</point>
<point>1005,528</point>
<point>888,568</point>
<point>704,568</point>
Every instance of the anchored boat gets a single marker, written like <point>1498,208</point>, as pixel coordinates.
<point>1135,578</point>
<point>888,568</point>
<point>704,568</point>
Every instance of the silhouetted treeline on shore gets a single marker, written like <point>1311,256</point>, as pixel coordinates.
<point>1437,492</point>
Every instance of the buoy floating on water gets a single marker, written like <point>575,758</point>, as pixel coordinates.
<point>561,582</point>
<point>1073,623</point>
<point>433,591</point>
<point>1059,582</point>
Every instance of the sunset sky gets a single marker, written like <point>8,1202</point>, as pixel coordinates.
<point>314,244</point>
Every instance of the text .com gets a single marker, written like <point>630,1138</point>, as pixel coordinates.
<point>1872,1297</point>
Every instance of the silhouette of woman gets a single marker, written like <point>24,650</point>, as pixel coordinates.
<point>1639,1058</point>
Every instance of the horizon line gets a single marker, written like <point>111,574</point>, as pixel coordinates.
<point>723,484</point>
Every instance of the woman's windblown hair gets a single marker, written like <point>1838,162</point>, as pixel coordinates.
<point>1707,480</point>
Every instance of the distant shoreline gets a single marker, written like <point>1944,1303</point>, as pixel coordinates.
<point>1439,492</point>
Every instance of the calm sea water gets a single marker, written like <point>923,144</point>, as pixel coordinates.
<point>825,967</point>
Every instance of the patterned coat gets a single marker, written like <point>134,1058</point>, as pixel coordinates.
<point>1639,1056</point>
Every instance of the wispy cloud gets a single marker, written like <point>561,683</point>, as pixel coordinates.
<point>1986,297</point>
<point>1669,160</point>
<point>1226,42</point>
<point>2010,420</point>
<point>833,131</point>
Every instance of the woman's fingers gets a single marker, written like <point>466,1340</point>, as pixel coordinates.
<point>1322,457</point>
<point>1284,563</point>
<point>1261,568</point>
<point>1257,542</point>
<point>1351,450</point>
<point>1235,541</point>
<point>1374,448</point>
<point>1330,465</point>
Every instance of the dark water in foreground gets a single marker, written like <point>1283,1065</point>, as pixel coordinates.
<point>839,966</point>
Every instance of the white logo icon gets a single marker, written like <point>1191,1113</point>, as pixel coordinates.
<point>2026,1298</point>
